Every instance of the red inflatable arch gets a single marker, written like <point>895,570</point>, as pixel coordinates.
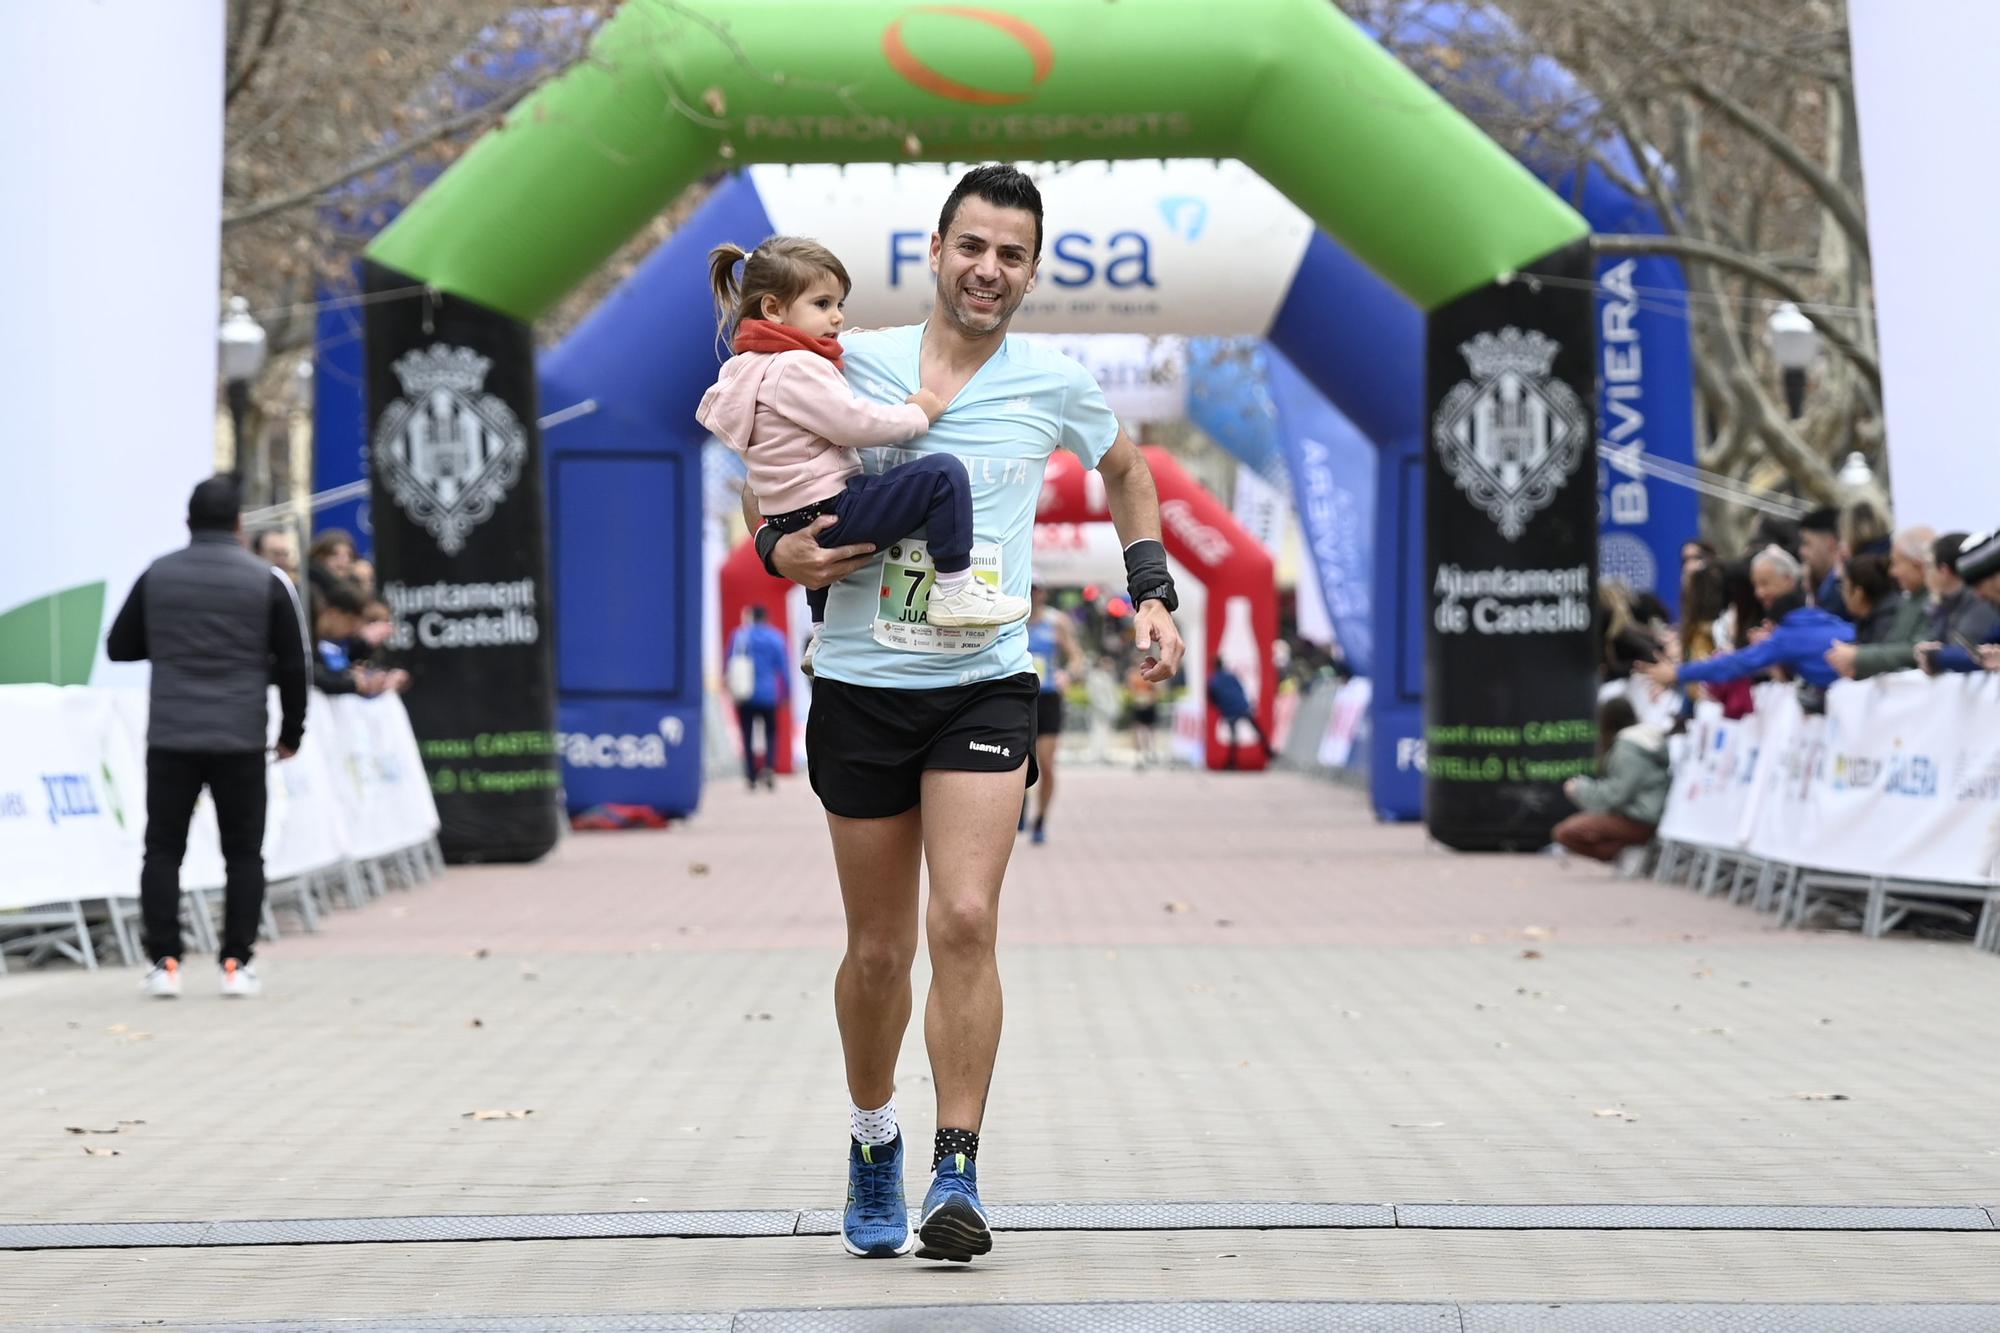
<point>1198,532</point>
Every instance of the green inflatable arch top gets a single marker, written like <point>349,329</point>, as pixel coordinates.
<point>672,91</point>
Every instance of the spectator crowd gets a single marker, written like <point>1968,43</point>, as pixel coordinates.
<point>1835,595</point>
<point>349,622</point>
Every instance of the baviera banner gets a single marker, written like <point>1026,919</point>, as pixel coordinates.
<point>1511,539</point>
<point>462,549</point>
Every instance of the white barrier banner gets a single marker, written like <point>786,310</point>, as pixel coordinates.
<point>1910,779</point>
<point>73,794</point>
<point>66,825</point>
<point>1900,778</point>
<point>1713,770</point>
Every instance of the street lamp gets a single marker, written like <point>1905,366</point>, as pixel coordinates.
<point>1855,474</point>
<point>1795,346</point>
<point>241,346</point>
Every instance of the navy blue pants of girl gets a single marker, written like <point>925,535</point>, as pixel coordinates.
<point>932,493</point>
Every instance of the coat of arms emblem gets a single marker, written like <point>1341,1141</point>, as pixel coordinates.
<point>447,450</point>
<point>1510,436</point>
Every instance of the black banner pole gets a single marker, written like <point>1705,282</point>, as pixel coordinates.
<point>461,550</point>
<point>1511,669</point>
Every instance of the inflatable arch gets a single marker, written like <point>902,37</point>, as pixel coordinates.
<point>1416,193</point>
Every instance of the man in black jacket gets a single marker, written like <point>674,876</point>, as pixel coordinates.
<point>219,626</point>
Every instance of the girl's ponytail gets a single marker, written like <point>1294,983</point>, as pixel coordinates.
<point>722,281</point>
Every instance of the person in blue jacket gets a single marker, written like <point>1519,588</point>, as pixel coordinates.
<point>759,687</point>
<point>1796,641</point>
<point>1979,567</point>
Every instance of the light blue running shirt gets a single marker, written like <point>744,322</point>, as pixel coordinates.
<point>1024,403</point>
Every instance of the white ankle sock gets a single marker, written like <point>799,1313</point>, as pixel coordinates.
<point>873,1127</point>
<point>951,583</point>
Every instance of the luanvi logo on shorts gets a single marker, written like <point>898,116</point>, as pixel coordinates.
<point>1510,436</point>
<point>448,450</point>
<point>906,63</point>
<point>1005,752</point>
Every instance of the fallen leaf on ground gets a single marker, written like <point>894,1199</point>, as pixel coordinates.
<point>1822,1096</point>
<point>80,1129</point>
<point>496,1115</point>
<point>476,1023</point>
<point>1176,907</point>
<point>697,867</point>
<point>712,99</point>
<point>482,953</point>
<point>1531,954</point>
<point>102,1152</point>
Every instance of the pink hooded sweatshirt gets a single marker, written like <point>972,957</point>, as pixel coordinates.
<point>796,423</point>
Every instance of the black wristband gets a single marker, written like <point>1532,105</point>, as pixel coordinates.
<point>1146,576</point>
<point>765,548</point>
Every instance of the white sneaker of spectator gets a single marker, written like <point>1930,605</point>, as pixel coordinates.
<point>163,981</point>
<point>975,605</point>
<point>239,979</point>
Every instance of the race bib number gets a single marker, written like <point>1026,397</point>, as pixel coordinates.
<point>902,613</point>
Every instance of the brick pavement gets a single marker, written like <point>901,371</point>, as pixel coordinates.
<point>1366,1027</point>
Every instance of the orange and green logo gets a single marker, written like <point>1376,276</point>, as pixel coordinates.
<point>932,80</point>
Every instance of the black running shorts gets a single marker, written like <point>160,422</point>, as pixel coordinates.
<point>867,747</point>
<point>1048,713</point>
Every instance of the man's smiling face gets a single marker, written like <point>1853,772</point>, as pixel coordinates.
<point>985,265</point>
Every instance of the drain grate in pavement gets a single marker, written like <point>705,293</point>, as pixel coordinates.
<point>1161,1216</point>
<point>1204,1317</point>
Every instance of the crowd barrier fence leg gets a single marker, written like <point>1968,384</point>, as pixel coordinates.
<point>350,878</point>
<point>83,940</point>
<point>194,905</point>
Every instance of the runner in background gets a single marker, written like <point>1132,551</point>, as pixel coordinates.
<point>1058,660</point>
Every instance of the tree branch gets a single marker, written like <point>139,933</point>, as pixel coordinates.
<point>247,70</point>
<point>1831,193</point>
<point>389,156</point>
<point>1708,252</point>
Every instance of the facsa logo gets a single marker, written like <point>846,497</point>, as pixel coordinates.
<point>1123,260</point>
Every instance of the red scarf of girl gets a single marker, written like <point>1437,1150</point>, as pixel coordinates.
<point>766,335</point>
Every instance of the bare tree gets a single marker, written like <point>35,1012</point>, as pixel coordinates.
<point>337,113</point>
<point>1735,119</point>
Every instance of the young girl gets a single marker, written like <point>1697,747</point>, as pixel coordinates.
<point>782,404</point>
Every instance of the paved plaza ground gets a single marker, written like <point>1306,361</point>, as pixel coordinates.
<point>1223,991</point>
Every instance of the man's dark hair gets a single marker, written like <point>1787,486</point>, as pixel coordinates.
<point>215,505</point>
<point>330,541</point>
<point>1869,576</point>
<point>999,185</point>
<point>1825,519</point>
<point>262,535</point>
<point>1613,716</point>
<point>338,595</point>
<point>757,615</point>
<point>1944,551</point>
<point>1774,531</point>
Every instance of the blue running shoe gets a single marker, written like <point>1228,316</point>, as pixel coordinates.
<point>876,1224</point>
<point>954,1222</point>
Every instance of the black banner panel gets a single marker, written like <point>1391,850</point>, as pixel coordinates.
<point>1511,661</point>
<point>461,553</point>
